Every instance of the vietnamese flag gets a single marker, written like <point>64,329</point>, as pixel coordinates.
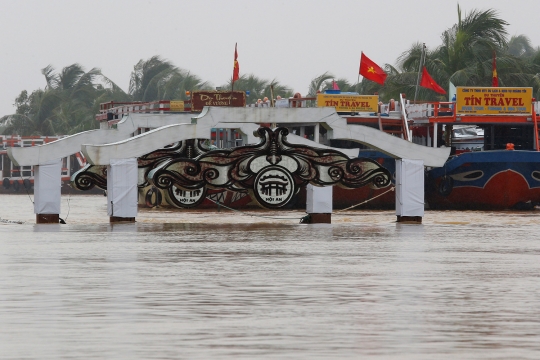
<point>494,76</point>
<point>428,82</point>
<point>371,71</point>
<point>236,69</point>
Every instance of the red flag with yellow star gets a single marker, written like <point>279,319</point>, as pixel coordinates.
<point>428,82</point>
<point>371,71</point>
<point>236,69</point>
<point>494,76</point>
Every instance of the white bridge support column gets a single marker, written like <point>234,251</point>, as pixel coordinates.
<point>319,204</point>
<point>122,193</point>
<point>47,195</point>
<point>409,190</point>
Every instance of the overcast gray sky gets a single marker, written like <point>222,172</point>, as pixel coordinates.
<point>292,41</point>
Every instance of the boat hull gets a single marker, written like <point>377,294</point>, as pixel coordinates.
<point>487,180</point>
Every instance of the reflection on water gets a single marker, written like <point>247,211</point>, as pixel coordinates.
<point>203,284</point>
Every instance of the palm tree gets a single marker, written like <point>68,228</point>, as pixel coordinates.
<point>465,57</point>
<point>317,84</point>
<point>158,79</point>
<point>472,40</point>
<point>520,45</point>
<point>33,115</point>
<point>259,88</point>
<point>174,87</point>
<point>67,105</point>
<point>147,76</point>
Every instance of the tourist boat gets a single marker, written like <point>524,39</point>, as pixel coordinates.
<point>21,178</point>
<point>495,158</point>
<point>503,172</point>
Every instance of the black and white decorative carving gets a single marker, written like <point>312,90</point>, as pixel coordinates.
<point>272,171</point>
<point>96,175</point>
<point>90,176</point>
<point>185,198</point>
<point>182,149</point>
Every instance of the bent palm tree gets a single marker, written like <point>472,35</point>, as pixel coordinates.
<point>464,57</point>
<point>158,79</point>
<point>318,83</point>
<point>146,77</point>
<point>68,103</point>
<point>258,88</point>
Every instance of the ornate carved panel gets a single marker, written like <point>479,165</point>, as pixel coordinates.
<point>90,176</point>
<point>272,171</point>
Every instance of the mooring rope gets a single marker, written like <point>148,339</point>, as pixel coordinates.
<point>27,190</point>
<point>5,221</point>
<point>368,200</point>
<point>283,218</point>
<point>245,213</point>
<point>69,207</point>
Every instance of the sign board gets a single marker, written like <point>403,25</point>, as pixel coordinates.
<point>176,105</point>
<point>349,103</point>
<point>200,99</point>
<point>493,100</point>
<point>282,103</point>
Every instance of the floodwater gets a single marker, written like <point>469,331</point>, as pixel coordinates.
<point>209,284</point>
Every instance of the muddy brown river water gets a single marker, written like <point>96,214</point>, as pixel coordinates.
<point>209,284</point>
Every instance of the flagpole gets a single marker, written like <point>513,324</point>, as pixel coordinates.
<point>358,80</point>
<point>422,58</point>
<point>234,67</point>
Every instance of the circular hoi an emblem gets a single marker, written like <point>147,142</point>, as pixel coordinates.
<point>185,198</point>
<point>274,187</point>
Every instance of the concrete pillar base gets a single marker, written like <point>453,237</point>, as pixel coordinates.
<point>115,219</point>
<point>409,219</point>
<point>47,218</point>
<point>321,218</point>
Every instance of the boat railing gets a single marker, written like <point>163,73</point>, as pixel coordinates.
<point>430,109</point>
<point>303,102</point>
<point>404,117</point>
<point>300,102</point>
<point>25,141</point>
<point>113,111</point>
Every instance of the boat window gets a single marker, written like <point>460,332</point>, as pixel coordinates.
<point>7,166</point>
<point>497,136</point>
<point>27,171</point>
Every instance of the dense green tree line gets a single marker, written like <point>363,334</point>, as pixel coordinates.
<point>70,100</point>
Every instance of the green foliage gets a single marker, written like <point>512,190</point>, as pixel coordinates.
<point>71,97</point>
<point>464,58</point>
<point>258,88</point>
<point>158,79</point>
<point>67,105</point>
<point>318,83</point>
